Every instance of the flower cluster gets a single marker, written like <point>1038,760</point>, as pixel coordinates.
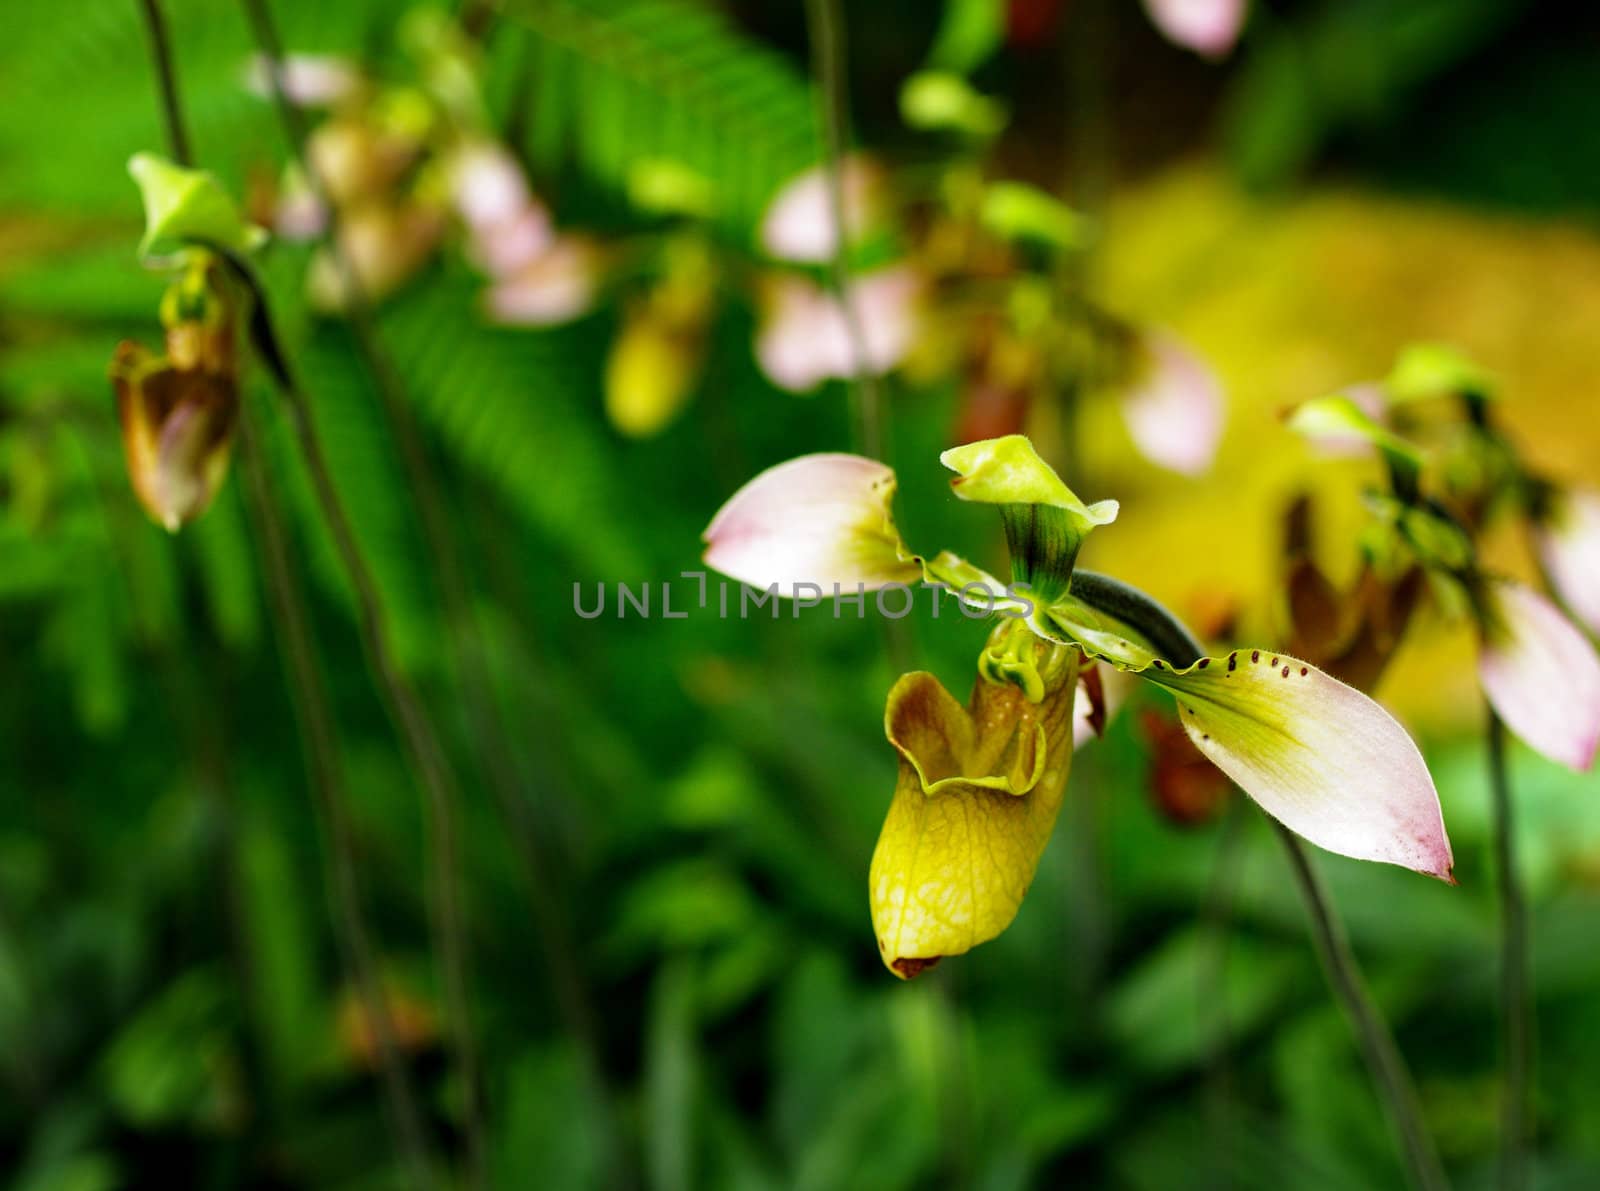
<point>1536,666</point>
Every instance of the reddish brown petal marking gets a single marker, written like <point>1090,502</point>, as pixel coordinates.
<point>1204,662</point>
<point>1286,671</point>
<point>911,967</point>
<point>1255,655</point>
<point>1302,671</point>
<point>1233,660</point>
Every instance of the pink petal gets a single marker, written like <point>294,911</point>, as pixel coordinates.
<point>487,185</point>
<point>508,246</point>
<point>799,223</point>
<point>1569,546</point>
<point>804,339</point>
<point>820,519</point>
<point>1208,27</point>
<point>557,287</point>
<point>309,80</point>
<point>1322,758</point>
<point>1541,675</point>
<point>1175,412</point>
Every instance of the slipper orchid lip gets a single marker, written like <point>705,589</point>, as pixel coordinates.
<point>1569,547</point>
<point>818,519</point>
<point>1541,675</point>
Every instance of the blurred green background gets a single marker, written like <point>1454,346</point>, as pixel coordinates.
<point>702,794</point>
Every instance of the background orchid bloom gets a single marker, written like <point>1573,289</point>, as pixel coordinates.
<point>1174,408</point>
<point>1208,27</point>
<point>799,223</point>
<point>1569,546</point>
<point>507,227</point>
<point>1540,674</point>
<point>1321,757</point>
<point>804,339</point>
<point>557,286</point>
<point>309,80</point>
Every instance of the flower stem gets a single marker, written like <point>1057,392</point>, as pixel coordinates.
<point>322,761</point>
<point>316,724</point>
<point>825,24</point>
<point>1172,639</point>
<point>1383,1059</point>
<point>1515,1010</point>
<point>167,79</point>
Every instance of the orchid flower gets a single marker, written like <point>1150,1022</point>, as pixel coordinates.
<point>1538,671</point>
<point>179,411</point>
<point>1208,27</point>
<point>980,786</point>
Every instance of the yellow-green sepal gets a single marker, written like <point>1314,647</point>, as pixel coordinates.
<point>186,208</point>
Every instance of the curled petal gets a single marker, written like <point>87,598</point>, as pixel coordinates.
<point>975,802</point>
<point>1009,471</point>
<point>1322,758</point>
<point>557,287</point>
<point>1175,411</point>
<point>818,519</point>
<point>799,224</point>
<point>1569,546</point>
<point>1541,675</point>
<point>1208,27</point>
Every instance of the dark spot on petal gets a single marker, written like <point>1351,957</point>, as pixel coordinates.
<point>1286,671</point>
<point>1159,664</point>
<point>1302,671</point>
<point>1204,662</point>
<point>1255,655</point>
<point>1274,663</point>
<point>911,967</point>
<point>1233,660</point>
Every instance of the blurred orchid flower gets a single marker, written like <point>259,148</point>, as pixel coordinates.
<point>383,246</point>
<point>507,227</point>
<point>1569,546</point>
<point>1174,409</point>
<point>799,223</point>
<point>979,787</point>
<point>1540,673</point>
<point>557,286</point>
<point>178,411</point>
<point>805,340</point>
<point>656,359</point>
<point>1208,27</point>
<point>309,80</point>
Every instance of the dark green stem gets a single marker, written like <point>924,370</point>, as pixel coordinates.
<point>314,718</point>
<point>1515,1010</point>
<point>825,24</point>
<point>1173,641</point>
<point>167,79</point>
<point>317,732</point>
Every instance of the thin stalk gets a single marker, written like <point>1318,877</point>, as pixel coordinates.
<point>825,24</point>
<point>1516,1013</point>
<point>1377,1044</point>
<point>314,718</point>
<point>485,717</point>
<point>317,733</point>
<point>167,78</point>
<point>1173,641</point>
